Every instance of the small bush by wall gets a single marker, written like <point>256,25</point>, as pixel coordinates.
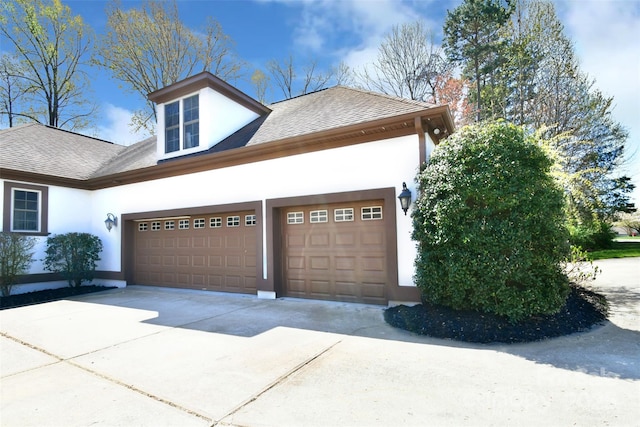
<point>16,257</point>
<point>74,255</point>
<point>490,225</point>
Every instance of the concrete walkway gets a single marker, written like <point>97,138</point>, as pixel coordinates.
<point>155,357</point>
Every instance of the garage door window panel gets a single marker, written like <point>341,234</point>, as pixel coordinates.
<point>319,216</point>
<point>343,215</point>
<point>295,218</point>
<point>371,213</point>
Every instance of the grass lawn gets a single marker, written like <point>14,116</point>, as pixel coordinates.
<point>630,247</point>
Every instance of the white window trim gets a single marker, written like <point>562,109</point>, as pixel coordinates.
<point>38,212</point>
<point>294,218</point>
<point>319,216</point>
<point>372,214</point>
<point>343,213</point>
<point>233,221</point>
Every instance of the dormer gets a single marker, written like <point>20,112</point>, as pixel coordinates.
<point>197,113</point>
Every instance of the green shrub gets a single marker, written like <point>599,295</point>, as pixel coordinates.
<point>489,222</point>
<point>593,237</point>
<point>74,255</point>
<point>15,258</point>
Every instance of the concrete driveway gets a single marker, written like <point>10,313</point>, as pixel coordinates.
<point>154,357</point>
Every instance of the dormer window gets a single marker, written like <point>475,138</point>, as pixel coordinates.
<point>188,122</point>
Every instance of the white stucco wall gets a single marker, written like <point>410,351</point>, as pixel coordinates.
<point>366,166</point>
<point>379,164</point>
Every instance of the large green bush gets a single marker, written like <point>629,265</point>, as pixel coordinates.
<point>490,225</point>
<point>15,258</point>
<point>74,255</point>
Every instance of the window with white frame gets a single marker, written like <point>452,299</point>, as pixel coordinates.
<point>249,220</point>
<point>233,221</point>
<point>26,210</point>
<point>295,217</point>
<point>155,226</point>
<point>371,213</point>
<point>191,119</point>
<point>343,215</point>
<point>143,226</point>
<point>215,222</point>
<point>172,127</point>
<point>182,124</point>
<point>170,225</point>
<point>198,223</point>
<point>318,216</point>
<point>183,224</point>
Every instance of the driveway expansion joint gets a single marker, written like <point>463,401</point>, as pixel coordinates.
<point>275,383</point>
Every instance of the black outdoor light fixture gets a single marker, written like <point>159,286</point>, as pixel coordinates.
<point>110,222</point>
<point>405,198</point>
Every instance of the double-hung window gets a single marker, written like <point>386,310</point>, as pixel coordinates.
<point>191,114</point>
<point>182,124</point>
<point>26,208</point>
<point>172,127</point>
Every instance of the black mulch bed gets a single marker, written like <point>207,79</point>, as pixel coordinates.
<point>583,310</point>
<point>37,297</point>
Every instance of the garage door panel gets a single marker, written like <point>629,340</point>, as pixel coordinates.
<point>345,239</point>
<point>373,263</point>
<point>372,238</point>
<point>320,288</point>
<point>199,242</point>
<point>320,263</point>
<point>345,263</point>
<point>295,262</point>
<point>343,258</point>
<point>373,290</point>
<point>200,253</point>
<point>319,240</point>
<point>215,261</point>
<point>216,242</point>
<point>295,240</point>
<point>233,261</point>
<point>250,261</point>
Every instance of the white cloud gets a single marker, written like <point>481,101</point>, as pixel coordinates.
<point>115,126</point>
<point>350,30</point>
<point>606,35</point>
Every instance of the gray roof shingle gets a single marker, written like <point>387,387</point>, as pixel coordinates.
<point>46,150</point>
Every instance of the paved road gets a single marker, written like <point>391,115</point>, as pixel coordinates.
<point>155,357</point>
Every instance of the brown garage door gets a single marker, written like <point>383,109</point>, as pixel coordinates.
<point>212,252</point>
<point>336,252</point>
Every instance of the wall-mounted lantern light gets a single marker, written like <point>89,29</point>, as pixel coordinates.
<point>111,221</point>
<point>405,198</point>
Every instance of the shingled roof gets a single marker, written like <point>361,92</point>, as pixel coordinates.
<point>45,150</point>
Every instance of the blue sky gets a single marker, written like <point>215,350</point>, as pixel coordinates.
<point>605,34</point>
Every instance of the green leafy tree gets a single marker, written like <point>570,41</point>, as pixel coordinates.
<point>74,255</point>
<point>490,225</point>
<point>150,48</point>
<point>52,47</point>
<point>474,38</point>
<point>15,258</point>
